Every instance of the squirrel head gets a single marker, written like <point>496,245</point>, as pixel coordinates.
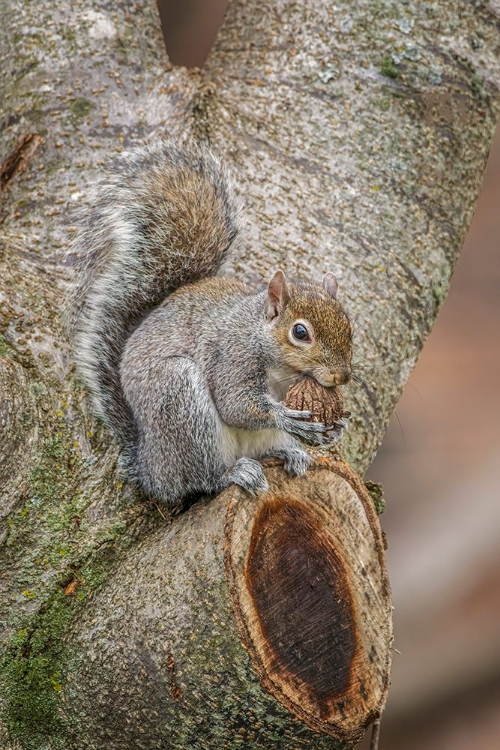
<point>313,332</point>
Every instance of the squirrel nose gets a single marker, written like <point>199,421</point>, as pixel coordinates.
<point>341,377</point>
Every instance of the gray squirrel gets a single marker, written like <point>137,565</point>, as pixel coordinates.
<point>189,369</point>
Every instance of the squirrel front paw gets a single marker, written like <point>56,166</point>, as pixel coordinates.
<point>295,423</point>
<point>333,433</point>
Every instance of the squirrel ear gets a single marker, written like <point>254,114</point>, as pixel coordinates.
<point>277,295</point>
<point>330,284</point>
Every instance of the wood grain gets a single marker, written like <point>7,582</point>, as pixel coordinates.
<point>311,596</point>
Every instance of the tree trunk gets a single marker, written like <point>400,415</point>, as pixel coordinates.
<point>358,135</point>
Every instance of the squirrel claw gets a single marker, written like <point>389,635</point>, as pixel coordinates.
<point>342,423</point>
<point>333,433</point>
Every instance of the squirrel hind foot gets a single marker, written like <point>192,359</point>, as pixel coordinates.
<point>247,473</point>
<point>295,461</point>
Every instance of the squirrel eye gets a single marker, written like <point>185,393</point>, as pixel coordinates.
<point>299,332</point>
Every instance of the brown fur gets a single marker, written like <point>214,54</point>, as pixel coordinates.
<point>330,351</point>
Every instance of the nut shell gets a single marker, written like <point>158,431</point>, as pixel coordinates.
<point>326,404</point>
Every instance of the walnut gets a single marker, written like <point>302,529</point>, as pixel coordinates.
<point>326,404</point>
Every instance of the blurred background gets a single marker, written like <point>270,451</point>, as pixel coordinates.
<point>439,464</point>
<point>440,467</point>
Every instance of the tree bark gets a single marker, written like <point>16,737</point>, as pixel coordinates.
<point>358,135</point>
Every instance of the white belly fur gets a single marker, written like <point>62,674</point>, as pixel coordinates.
<point>252,443</point>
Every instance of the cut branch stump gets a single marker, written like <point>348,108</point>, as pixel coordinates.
<point>281,613</point>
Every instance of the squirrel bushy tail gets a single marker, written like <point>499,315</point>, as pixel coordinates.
<point>163,218</point>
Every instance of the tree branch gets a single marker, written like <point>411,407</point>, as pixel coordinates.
<point>358,135</point>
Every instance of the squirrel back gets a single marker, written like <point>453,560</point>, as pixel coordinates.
<point>164,218</point>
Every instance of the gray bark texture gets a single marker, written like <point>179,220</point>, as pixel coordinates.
<point>358,134</point>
